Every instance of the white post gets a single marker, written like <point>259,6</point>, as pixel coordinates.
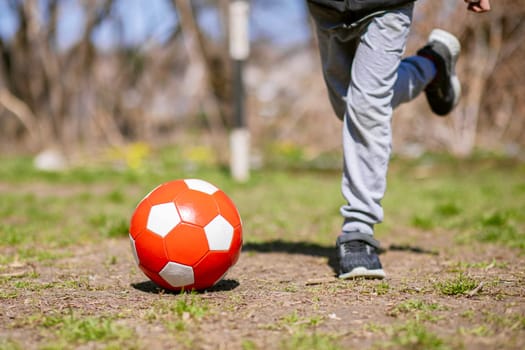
<point>239,51</point>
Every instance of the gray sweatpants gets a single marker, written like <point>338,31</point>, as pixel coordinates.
<point>366,79</point>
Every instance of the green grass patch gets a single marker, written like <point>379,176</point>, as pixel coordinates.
<point>295,323</point>
<point>505,322</point>
<point>459,285</point>
<point>71,330</point>
<point>382,288</point>
<point>310,341</point>
<point>417,309</point>
<point>462,266</point>
<point>177,314</point>
<point>295,204</point>
<point>9,344</point>
<point>9,294</point>
<point>292,206</point>
<point>414,305</point>
<point>478,199</point>
<point>502,226</point>
<point>414,335</point>
<point>110,226</point>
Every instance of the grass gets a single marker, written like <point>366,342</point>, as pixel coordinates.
<point>502,226</point>
<point>463,196</point>
<point>459,285</point>
<point>382,288</point>
<point>295,323</point>
<point>315,341</point>
<point>8,344</point>
<point>84,329</point>
<point>414,335</point>
<point>175,315</point>
<point>460,197</point>
<point>418,307</point>
<point>45,217</point>
<point>71,330</point>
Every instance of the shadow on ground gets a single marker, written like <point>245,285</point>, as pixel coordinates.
<point>150,287</point>
<point>304,248</point>
<point>279,246</point>
<point>314,249</point>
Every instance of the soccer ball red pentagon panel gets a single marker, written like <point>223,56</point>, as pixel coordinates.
<point>186,234</point>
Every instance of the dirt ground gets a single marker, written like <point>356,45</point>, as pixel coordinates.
<point>285,295</point>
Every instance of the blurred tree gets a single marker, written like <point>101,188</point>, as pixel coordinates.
<point>39,82</point>
<point>491,45</point>
<point>89,94</point>
<point>207,76</point>
<point>491,59</point>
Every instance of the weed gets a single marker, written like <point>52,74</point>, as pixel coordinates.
<point>417,309</point>
<point>314,341</point>
<point>291,288</point>
<point>505,322</point>
<point>116,196</point>
<point>468,314</point>
<point>9,344</point>
<point>92,328</point>
<point>479,331</point>
<point>110,226</point>
<point>460,266</point>
<point>11,235</point>
<point>499,227</point>
<point>295,323</point>
<point>21,275</point>
<point>424,223</point>
<point>459,285</point>
<point>31,253</point>
<point>112,260</point>
<point>414,305</point>
<point>382,288</point>
<point>8,294</point>
<point>247,344</point>
<point>290,319</point>
<point>448,209</point>
<point>176,314</point>
<point>73,329</point>
<point>414,335</point>
<point>373,327</point>
<point>191,305</point>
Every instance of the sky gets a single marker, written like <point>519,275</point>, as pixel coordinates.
<point>283,24</point>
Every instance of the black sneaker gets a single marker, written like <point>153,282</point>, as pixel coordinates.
<point>357,256</point>
<point>444,91</point>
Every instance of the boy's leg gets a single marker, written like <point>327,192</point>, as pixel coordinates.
<point>337,45</point>
<point>367,123</point>
<point>360,69</point>
<point>366,79</point>
<point>414,74</point>
<point>432,70</point>
<point>377,76</point>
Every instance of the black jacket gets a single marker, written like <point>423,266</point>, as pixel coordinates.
<point>361,6</point>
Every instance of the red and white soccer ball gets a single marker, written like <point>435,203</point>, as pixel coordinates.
<point>186,234</point>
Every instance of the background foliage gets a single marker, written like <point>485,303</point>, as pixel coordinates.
<point>175,78</point>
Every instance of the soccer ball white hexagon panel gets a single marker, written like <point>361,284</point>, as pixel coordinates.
<point>219,233</point>
<point>177,275</point>
<point>163,218</point>
<point>201,186</point>
<point>134,249</point>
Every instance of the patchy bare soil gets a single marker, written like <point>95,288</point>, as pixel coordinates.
<point>279,295</point>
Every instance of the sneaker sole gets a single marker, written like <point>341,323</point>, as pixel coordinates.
<point>453,44</point>
<point>363,272</point>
